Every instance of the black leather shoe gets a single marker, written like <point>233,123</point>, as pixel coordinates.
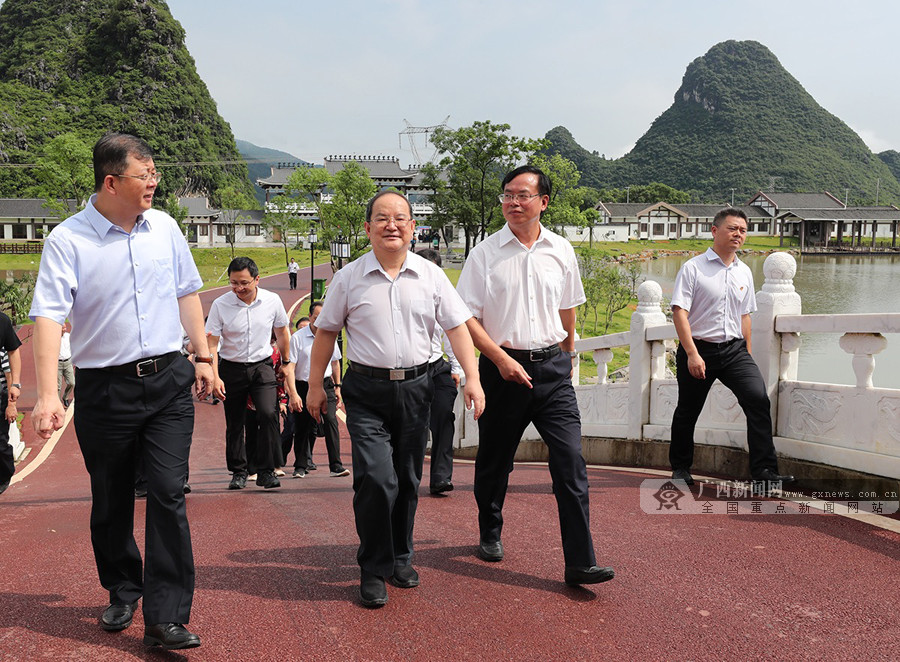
<point>3,486</point>
<point>171,636</point>
<point>268,480</point>
<point>238,482</point>
<point>140,492</point>
<point>490,551</point>
<point>683,474</point>
<point>311,466</point>
<point>372,591</point>
<point>405,576</point>
<point>771,477</point>
<point>440,488</point>
<point>592,575</point>
<point>187,488</point>
<point>117,617</point>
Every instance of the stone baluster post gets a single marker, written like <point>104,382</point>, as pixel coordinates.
<point>648,314</point>
<point>777,297</point>
<point>864,347</point>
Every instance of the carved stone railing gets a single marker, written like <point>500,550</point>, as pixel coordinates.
<point>851,427</point>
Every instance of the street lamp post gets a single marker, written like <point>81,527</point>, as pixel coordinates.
<point>340,250</point>
<point>312,238</point>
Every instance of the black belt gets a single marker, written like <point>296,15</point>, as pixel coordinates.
<point>143,367</point>
<point>533,355</point>
<point>715,345</point>
<point>395,375</point>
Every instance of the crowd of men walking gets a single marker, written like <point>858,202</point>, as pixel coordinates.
<point>515,302</point>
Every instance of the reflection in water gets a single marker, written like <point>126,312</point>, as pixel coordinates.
<point>826,284</point>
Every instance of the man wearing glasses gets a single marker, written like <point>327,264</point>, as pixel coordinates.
<point>522,285</point>
<point>123,273</point>
<point>390,301</point>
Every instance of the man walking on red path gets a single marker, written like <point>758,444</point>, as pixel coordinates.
<point>124,274</point>
<point>711,306</point>
<point>390,301</point>
<point>304,423</point>
<point>9,393</point>
<point>245,319</point>
<point>522,285</point>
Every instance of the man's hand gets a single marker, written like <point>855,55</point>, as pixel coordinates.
<point>456,379</point>
<point>14,393</point>
<point>47,416</point>
<point>219,389</point>
<point>696,366</point>
<point>203,379</point>
<point>316,402</point>
<point>11,413</point>
<point>474,396</point>
<point>512,371</point>
<point>296,402</point>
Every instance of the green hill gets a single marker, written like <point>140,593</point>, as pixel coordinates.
<point>740,120</point>
<point>260,161</point>
<point>93,67</point>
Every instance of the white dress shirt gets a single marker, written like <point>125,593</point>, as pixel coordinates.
<point>517,292</point>
<point>65,346</point>
<point>301,346</point>
<point>715,296</point>
<point>120,289</point>
<point>246,330</point>
<point>441,344</point>
<point>390,323</point>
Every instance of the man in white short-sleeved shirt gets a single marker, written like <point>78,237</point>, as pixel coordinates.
<point>389,301</point>
<point>245,320</point>
<point>522,285</point>
<point>711,306</point>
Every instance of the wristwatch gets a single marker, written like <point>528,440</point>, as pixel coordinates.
<point>18,386</point>
<point>203,359</point>
<point>285,362</point>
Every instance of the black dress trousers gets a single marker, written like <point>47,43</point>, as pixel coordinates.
<point>443,422</point>
<point>552,407</point>
<point>256,380</point>
<point>388,425</point>
<point>732,365</point>
<point>119,418</point>
<point>305,428</point>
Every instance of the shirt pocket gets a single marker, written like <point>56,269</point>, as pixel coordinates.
<point>164,275</point>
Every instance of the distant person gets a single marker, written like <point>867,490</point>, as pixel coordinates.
<point>711,306</point>
<point>244,319</point>
<point>390,301</point>
<point>293,268</point>
<point>446,375</point>
<point>123,273</point>
<point>523,288</point>
<point>10,390</point>
<point>304,423</point>
<point>288,431</point>
<point>65,372</point>
<point>435,242</point>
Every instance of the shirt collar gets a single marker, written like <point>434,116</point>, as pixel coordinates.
<point>103,226</point>
<point>412,263</point>
<point>506,235</point>
<point>712,256</point>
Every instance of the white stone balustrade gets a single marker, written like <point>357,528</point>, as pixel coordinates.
<point>853,427</point>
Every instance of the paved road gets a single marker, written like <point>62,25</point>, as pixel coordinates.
<point>276,573</point>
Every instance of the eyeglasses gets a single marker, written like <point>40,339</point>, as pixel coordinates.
<point>155,176</point>
<point>399,221</point>
<point>522,198</point>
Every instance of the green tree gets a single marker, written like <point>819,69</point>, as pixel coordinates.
<point>233,202</point>
<point>64,172</point>
<point>15,297</point>
<point>351,189</point>
<point>615,291</point>
<point>567,199</point>
<point>647,194</point>
<point>281,220</point>
<point>177,211</point>
<point>476,159</point>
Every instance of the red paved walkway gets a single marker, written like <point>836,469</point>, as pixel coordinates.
<point>276,574</point>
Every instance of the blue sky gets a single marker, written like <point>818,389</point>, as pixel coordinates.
<point>340,77</point>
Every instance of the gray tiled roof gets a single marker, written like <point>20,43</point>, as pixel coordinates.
<point>848,214</point>
<point>623,209</point>
<point>802,200</point>
<point>379,167</point>
<point>198,207</point>
<point>29,208</point>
